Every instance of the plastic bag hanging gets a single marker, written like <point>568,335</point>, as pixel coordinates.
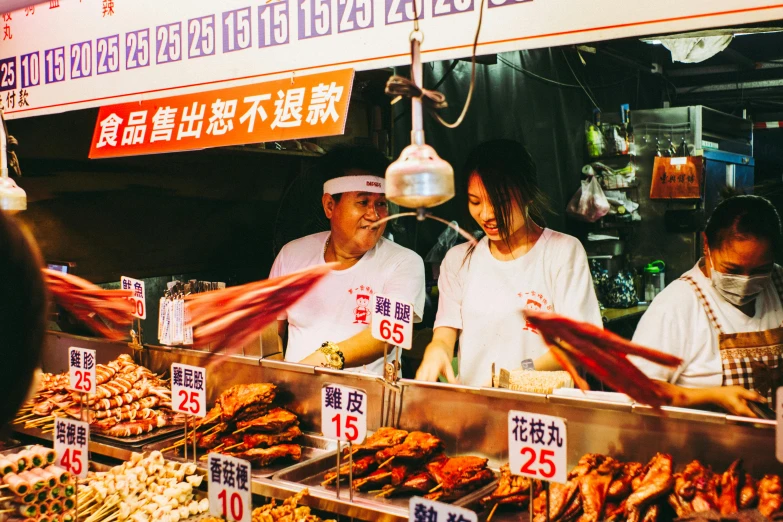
<point>589,203</point>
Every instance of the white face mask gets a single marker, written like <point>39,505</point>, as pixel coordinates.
<point>738,290</point>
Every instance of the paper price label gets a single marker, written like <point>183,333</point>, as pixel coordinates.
<point>779,426</point>
<point>229,488</point>
<point>138,297</point>
<point>423,510</point>
<point>71,442</point>
<point>189,389</point>
<point>81,366</point>
<point>537,446</point>
<point>343,413</point>
<point>392,321</point>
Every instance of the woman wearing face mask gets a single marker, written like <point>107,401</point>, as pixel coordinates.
<point>723,317</point>
<point>518,264</point>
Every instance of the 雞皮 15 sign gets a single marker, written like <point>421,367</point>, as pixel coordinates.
<point>392,321</point>
<point>537,446</point>
<point>343,413</point>
<point>189,389</point>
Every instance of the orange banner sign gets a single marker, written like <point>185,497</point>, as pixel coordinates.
<point>307,107</point>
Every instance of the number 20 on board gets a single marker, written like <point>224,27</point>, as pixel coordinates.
<point>537,446</point>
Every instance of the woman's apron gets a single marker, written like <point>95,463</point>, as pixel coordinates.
<point>753,360</point>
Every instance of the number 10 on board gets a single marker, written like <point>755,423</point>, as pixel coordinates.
<point>537,446</point>
<point>343,413</point>
<point>189,389</point>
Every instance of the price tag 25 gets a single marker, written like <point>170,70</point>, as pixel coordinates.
<point>81,366</point>
<point>423,510</point>
<point>71,442</point>
<point>189,389</point>
<point>229,488</point>
<point>343,413</point>
<point>392,321</point>
<point>537,446</point>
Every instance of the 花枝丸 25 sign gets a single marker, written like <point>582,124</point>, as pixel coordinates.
<point>537,446</point>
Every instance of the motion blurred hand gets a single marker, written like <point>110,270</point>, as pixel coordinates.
<point>734,399</point>
<point>436,362</point>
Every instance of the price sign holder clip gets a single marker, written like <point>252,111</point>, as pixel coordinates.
<point>389,413</point>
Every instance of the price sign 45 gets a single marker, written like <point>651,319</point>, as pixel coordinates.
<point>537,446</point>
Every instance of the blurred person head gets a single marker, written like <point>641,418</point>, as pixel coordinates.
<point>740,241</point>
<point>354,196</point>
<point>502,190</point>
<point>22,315</point>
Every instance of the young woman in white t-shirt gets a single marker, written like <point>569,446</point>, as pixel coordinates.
<point>723,317</point>
<point>518,264</point>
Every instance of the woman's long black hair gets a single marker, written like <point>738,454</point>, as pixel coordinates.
<point>508,173</point>
<point>23,304</point>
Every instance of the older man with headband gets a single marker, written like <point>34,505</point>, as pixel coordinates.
<point>330,326</point>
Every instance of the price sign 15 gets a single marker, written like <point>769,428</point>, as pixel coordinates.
<point>229,488</point>
<point>189,389</point>
<point>430,510</point>
<point>537,446</point>
<point>71,441</point>
<point>81,366</point>
<point>343,413</point>
<point>392,321</point>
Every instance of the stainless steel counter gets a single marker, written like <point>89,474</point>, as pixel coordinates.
<point>470,420</point>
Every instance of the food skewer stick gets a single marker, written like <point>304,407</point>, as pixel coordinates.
<point>436,488</point>
<point>492,512</point>
<point>174,446</point>
<point>21,419</point>
<point>386,462</point>
<point>234,446</point>
<point>384,492</point>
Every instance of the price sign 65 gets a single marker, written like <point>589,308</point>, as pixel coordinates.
<point>392,321</point>
<point>537,446</point>
<point>343,413</point>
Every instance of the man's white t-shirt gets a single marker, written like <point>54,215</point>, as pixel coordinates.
<point>339,306</point>
<point>484,297</point>
<point>676,323</point>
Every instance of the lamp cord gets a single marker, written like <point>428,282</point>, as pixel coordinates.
<point>400,87</point>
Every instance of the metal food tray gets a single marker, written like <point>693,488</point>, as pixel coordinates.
<point>138,441</point>
<point>313,446</point>
<point>311,474</point>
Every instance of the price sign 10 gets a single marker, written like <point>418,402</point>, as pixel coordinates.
<point>229,488</point>
<point>189,389</point>
<point>81,366</point>
<point>537,446</point>
<point>71,441</point>
<point>343,413</point>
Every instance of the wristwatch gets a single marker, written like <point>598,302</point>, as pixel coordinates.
<point>334,357</point>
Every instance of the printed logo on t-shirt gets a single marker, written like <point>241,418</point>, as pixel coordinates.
<point>534,301</point>
<point>363,295</point>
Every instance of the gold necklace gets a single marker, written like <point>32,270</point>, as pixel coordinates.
<point>326,245</point>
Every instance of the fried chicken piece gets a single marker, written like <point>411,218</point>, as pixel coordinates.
<point>770,495</point>
<point>420,482</point>
<point>652,513</point>
<point>621,485</point>
<point>561,497</point>
<point>694,490</point>
<point>244,398</point>
<point>594,487</point>
<point>361,467</point>
<point>587,463</point>
<point>210,440</point>
<point>261,440</point>
<point>417,445</point>
<point>511,489</point>
<point>748,495</point>
<point>730,486</point>
<point>213,416</point>
<point>382,477</point>
<point>262,457</point>
<point>272,422</point>
<point>383,438</point>
<point>657,481</point>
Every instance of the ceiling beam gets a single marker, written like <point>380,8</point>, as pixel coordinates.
<point>738,58</point>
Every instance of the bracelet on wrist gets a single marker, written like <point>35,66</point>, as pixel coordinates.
<point>334,357</point>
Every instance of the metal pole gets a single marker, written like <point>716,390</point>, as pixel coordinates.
<point>186,439</point>
<point>530,503</point>
<point>383,392</point>
<point>338,469</point>
<point>417,75</point>
<point>350,471</point>
<point>546,489</point>
<point>195,455</point>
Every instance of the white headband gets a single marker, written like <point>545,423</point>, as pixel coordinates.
<point>355,184</point>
